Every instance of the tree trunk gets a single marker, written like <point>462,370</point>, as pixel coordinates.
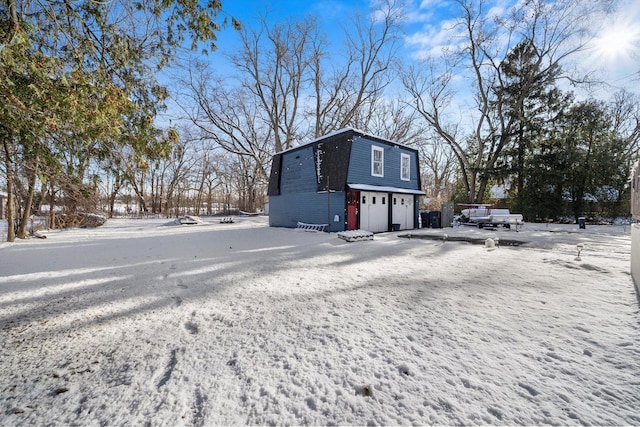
<point>139,191</point>
<point>112,198</point>
<point>482,187</point>
<point>11,236</point>
<point>24,221</point>
<point>52,194</point>
<point>153,195</point>
<point>199,196</point>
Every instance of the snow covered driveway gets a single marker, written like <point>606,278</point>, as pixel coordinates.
<point>137,322</point>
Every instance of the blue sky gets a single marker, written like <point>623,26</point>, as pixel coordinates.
<point>331,14</point>
<point>329,10</point>
<point>615,53</point>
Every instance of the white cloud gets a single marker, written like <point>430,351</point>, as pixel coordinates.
<point>433,39</point>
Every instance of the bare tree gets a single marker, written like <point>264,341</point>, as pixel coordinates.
<point>281,68</point>
<point>229,117</point>
<point>625,111</point>
<point>280,94</point>
<point>392,119</point>
<point>555,33</point>
<point>273,64</point>
<point>178,169</point>
<point>438,170</point>
<point>357,82</point>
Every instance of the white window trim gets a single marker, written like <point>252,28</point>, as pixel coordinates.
<point>375,148</point>
<point>408,157</point>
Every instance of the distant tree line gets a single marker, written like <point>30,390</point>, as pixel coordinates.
<point>80,100</point>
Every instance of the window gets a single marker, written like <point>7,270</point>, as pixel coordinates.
<point>373,200</point>
<point>377,161</point>
<point>405,167</point>
<point>384,200</point>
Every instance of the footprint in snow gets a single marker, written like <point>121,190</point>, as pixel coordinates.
<point>173,361</point>
<point>532,391</point>
<point>495,412</point>
<point>191,327</point>
<point>199,403</point>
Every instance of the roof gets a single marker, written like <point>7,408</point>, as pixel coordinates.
<point>335,153</point>
<point>384,189</point>
<point>346,130</point>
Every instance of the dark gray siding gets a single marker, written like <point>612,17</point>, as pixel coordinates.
<point>298,172</point>
<point>274,180</point>
<point>333,154</point>
<point>310,207</point>
<point>360,165</point>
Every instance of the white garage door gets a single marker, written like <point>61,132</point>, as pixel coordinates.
<point>402,210</point>
<point>374,211</point>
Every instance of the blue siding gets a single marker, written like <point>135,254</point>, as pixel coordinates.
<point>294,196</point>
<point>298,172</point>
<point>360,165</point>
<point>310,207</point>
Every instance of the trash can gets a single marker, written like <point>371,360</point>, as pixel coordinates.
<point>582,222</point>
<point>424,219</point>
<point>434,219</point>
<point>395,227</point>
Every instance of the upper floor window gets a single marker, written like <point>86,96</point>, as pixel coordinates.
<point>405,167</point>
<point>377,161</point>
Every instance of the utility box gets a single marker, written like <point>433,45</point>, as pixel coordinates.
<point>446,220</point>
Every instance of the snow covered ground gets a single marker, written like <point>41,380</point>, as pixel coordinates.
<point>140,322</point>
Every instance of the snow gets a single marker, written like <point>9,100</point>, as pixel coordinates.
<point>137,322</point>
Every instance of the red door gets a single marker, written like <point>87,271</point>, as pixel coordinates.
<point>353,197</point>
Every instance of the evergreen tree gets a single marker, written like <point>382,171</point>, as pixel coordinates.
<point>528,96</point>
<point>77,80</point>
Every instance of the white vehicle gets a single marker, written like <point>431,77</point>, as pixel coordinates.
<point>483,215</point>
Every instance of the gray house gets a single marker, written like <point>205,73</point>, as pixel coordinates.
<point>348,180</point>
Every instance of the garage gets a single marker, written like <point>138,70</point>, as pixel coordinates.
<point>402,211</point>
<point>374,211</point>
